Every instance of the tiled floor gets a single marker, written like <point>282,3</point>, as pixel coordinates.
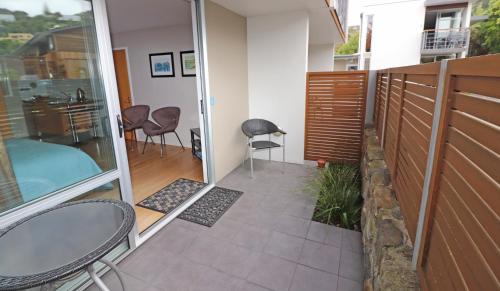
<point>266,241</point>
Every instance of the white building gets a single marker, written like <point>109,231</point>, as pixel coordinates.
<point>402,33</point>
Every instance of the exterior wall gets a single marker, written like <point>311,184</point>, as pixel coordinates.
<point>227,67</point>
<point>320,58</point>
<point>160,92</point>
<point>277,65</point>
<point>341,64</point>
<point>397,32</point>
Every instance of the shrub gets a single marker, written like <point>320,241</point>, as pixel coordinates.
<point>338,189</point>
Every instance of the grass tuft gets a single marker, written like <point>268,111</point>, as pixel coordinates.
<point>338,189</point>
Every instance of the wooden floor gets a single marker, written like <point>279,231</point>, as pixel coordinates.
<point>150,173</point>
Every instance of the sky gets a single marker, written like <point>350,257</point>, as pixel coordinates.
<point>35,7</point>
<point>353,12</point>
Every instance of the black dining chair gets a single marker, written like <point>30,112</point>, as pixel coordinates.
<point>255,127</point>
<point>167,120</point>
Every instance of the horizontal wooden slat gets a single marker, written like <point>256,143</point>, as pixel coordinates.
<point>335,109</point>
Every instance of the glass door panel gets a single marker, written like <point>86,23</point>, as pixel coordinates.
<point>54,121</point>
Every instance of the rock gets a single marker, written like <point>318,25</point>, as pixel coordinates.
<point>388,234</point>
<point>386,244</point>
<point>396,272</point>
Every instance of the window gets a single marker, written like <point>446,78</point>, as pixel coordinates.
<point>54,126</point>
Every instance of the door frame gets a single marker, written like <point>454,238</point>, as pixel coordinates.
<point>204,114</point>
<point>121,172</point>
<point>129,72</point>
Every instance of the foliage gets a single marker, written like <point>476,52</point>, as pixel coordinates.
<point>339,196</point>
<point>351,46</point>
<point>7,46</point>
<point>25,23</point>
<point>485,35</point>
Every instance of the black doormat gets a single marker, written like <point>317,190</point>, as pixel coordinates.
<point>173,195</point>
<point>209,208</point>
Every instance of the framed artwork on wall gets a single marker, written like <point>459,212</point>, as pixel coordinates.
<point>188,64</point>
<point>162,65</point>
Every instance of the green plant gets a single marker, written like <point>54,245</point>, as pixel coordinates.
<point>351,46</point>
<point>339,202</point>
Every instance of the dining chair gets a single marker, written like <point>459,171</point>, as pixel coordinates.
<point>167,120</point>
<point>256,127</point>
<point>134,118</point>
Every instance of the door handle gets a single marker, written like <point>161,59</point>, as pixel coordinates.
<point>120,125</point>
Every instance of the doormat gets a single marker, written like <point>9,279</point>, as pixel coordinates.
<point>173,195</point>
<point>209,208</point>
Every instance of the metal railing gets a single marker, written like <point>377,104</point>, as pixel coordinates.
<point>445,41</point>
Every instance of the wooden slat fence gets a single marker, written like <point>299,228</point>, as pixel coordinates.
<point>335,115</point>
<point>459,245</point>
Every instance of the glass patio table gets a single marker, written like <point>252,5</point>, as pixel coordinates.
<point>61,241</point>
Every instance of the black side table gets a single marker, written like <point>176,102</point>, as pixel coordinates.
<point>61,241</point>
<point>196,142</point>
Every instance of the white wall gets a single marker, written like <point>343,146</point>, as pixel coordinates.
<point>227,69</point>
<point>160,92</point>
<point>320,58</point>
<point>397,32</point>
<point>277,65</point>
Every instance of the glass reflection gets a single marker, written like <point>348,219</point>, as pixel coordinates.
<point>54,126</point>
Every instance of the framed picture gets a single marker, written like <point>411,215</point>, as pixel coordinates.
<point>188,64</point>
<point>162,65</point>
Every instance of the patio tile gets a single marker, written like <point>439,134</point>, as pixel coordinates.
<point>318,231</point>
<point>284,246</point>
<point>186,224</point>
<point>236,261</point>
<point>248,286</point>
<point>351,266</point>
<point>320,256</point>
<point>173,239</point>
<point>205,250</point>
<point>179,275</point>
<point>349,285</point>
<point>145,262</point>
<point>213,280</point>
<point>252,237</point>
<point>272,272</point>
<point>132,283</point>
<point>292,225</point>
<point>334,236</point>
<point>300,210</point>
<point>274,204</point>
<point>351,240</point>
<point>224,229</point>
<point>307,279</point>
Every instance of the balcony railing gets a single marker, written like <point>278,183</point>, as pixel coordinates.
<point>445,41</point>
<point>341,9</point>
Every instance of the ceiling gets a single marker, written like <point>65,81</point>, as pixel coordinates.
<point>129,15</point>
<point>321,24</point>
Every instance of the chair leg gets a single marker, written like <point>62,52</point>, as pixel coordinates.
<point>161,145</point>
<point>179,140</point>
<point>251,158</point>
<point>283,154</point>
<point>145,143</point>
<point>135,139</point>
<point>269,148</point>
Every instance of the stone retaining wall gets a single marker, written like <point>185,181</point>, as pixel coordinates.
<point>386,244</point>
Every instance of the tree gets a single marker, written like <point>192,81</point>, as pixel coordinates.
<point>351,46</point>
<point>485,35</point>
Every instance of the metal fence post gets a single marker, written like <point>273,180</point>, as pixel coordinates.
<point>430,161</point>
